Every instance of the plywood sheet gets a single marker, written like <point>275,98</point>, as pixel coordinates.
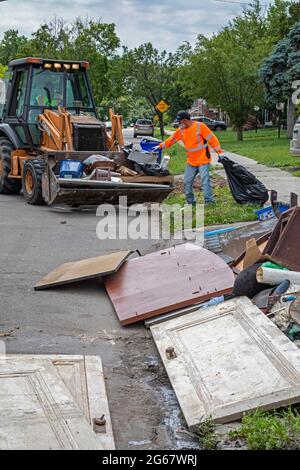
<point>37,411</point>
<point>83,375</point>
<point>230,359</point>
<point>84,269</point>
<point>167,280</point>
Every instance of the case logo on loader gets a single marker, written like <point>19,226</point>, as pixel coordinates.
<point>45,127</point>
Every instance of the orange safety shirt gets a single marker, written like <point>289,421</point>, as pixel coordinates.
<point>195,139</point>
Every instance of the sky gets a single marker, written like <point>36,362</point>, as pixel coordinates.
<point>165,23</point>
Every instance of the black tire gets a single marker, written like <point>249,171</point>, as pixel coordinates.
<point>7,185</point>
<point>134,136</point>
<point>32,182</point>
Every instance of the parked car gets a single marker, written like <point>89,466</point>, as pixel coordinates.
<point>143,127</point>
<point>211,123</point>
<point>175,124</point>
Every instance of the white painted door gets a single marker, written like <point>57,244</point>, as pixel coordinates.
<point>227,360</point>
<point>37,411</point>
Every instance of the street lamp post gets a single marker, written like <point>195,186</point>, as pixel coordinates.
<point>256,109</point>
<point>280,108</point>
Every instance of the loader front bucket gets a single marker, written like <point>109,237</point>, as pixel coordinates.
<point>84,192</point>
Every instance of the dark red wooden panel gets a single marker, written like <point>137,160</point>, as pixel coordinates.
<point>167,280</point>
<point>283,246</point>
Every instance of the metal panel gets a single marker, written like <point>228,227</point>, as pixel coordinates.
<point>228,360</point>
<point>37,411</point>
<point>167,280</point>
<point>74,183</point>
<point>90,268</point>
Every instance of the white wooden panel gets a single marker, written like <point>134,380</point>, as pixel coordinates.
<point>83,375</point>
<point>37,411</point>
<point>230,359</point>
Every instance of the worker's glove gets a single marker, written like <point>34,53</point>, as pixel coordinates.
<point>156,149</point>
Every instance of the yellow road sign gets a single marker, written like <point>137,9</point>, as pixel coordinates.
<point>162,106</point>
<point>155,118</point>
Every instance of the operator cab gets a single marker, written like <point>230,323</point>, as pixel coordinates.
<point>33,84</point>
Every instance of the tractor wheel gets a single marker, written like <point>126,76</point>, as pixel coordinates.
<point>32,182</point>
<point>7,185</point>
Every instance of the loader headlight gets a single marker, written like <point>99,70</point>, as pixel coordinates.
<point>75,66</point>
<point>47,65</point>
<point>57,65</point>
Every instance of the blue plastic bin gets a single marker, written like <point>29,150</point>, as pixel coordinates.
<point>70,169</point>
<point>148,146</point>
<point>268,213</point>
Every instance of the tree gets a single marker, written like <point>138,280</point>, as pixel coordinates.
<point>153,76</point>
<point>12,46</point>
<point>224,69</point>
<point>281,16</point>
<point>84,39</point>
<point>176,92</point>
<point>3,70</point>
<point>280,70</point>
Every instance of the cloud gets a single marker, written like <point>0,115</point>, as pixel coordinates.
<point>165,23</point>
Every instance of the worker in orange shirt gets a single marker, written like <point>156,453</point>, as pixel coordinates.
<point>196,137</point>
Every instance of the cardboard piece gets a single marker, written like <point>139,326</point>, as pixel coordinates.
<point>253,253</point>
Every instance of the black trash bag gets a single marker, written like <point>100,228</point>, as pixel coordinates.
<point>245,187</point>
<point>151,170</point>
<point>128,149</point>
<point>246,283</point>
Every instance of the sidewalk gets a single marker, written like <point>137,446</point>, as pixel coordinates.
<point>273,178</point>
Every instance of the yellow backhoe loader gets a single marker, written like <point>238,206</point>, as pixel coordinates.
<point>48,115</point>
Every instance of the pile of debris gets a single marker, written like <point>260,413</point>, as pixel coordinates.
<point>210,319</point>
<point>269,273</point>
<point>130,169</point>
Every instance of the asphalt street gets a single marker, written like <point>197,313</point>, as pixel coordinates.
<point>79,318</point>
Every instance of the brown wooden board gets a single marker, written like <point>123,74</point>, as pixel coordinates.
<point>148,179</point>
<point>167,280</point>
<point>283,246</point>
<point>84,269</point>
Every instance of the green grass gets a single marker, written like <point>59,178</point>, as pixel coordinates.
<point>205,432</point>
<point>269,431</point>
<point>263,147</point>
<point>224,211</point>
